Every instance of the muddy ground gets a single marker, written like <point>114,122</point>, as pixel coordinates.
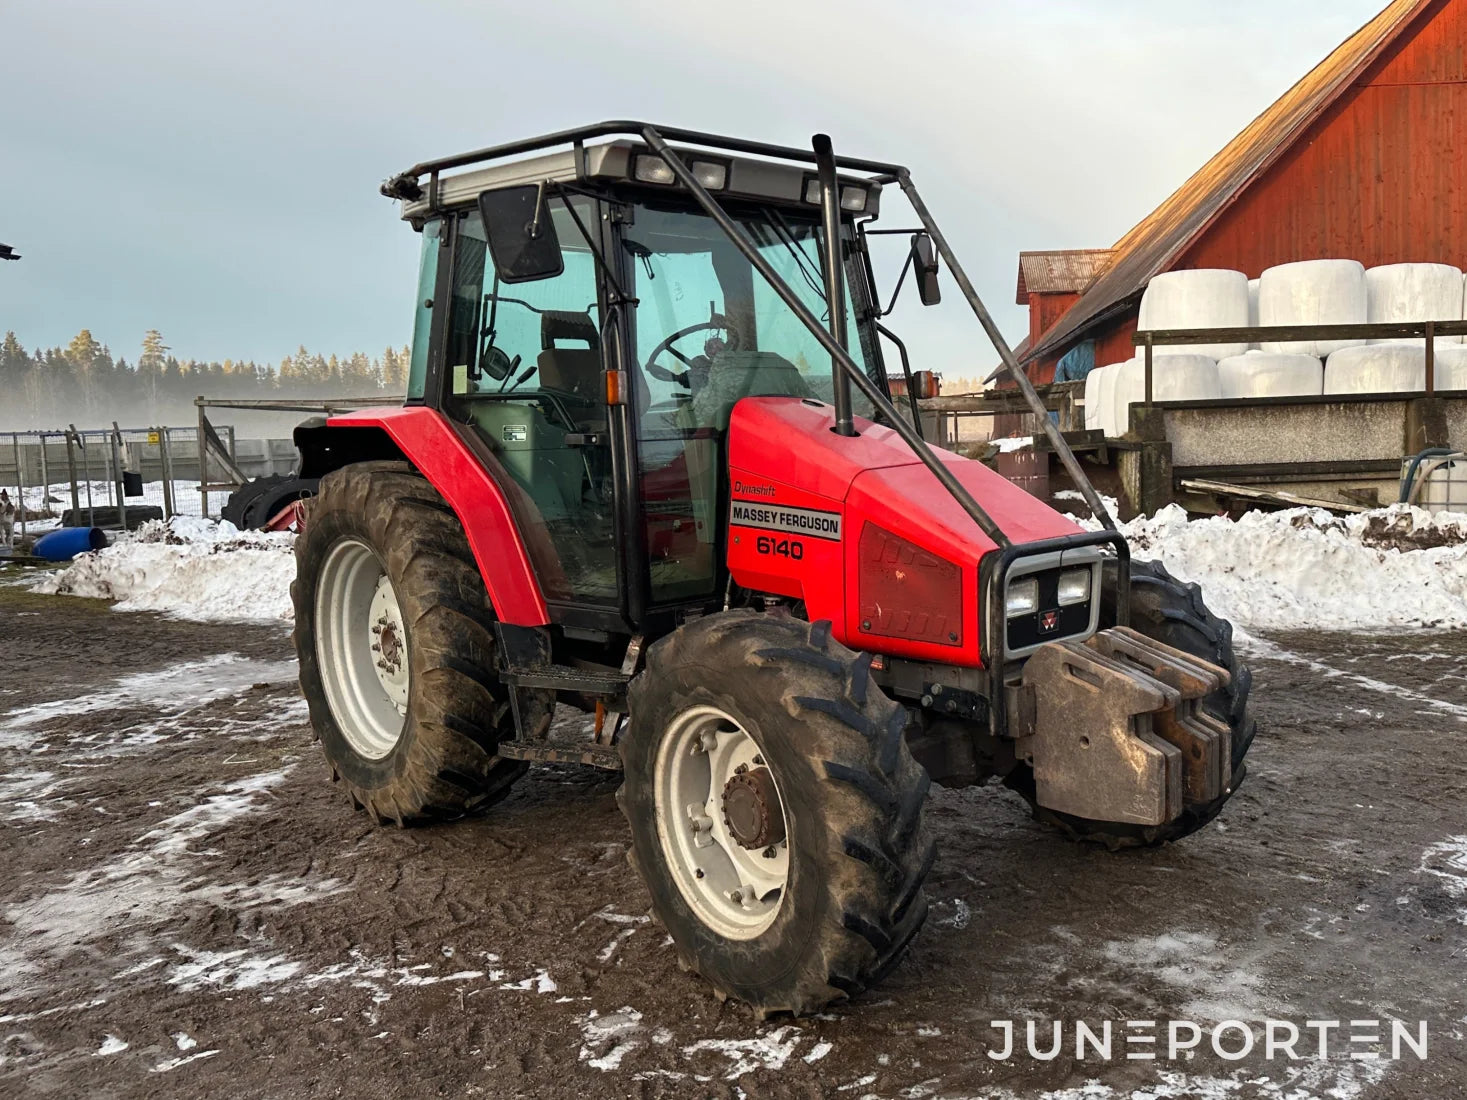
<point>188,907</point>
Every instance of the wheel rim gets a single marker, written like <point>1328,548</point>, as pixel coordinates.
<point>735,890</point>
<point>361,645</point>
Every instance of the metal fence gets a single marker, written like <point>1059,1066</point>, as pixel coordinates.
<point>87,471</point>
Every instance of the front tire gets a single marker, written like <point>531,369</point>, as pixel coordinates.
<point>1171,612</point>
<point>775,810</point>
<point>395,639</point>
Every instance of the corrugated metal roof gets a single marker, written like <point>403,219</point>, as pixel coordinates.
<point>1068,270</point>
<point>1160,238</point>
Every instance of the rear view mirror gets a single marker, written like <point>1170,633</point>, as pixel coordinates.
<point>924,264</point>
<point>521,235</point>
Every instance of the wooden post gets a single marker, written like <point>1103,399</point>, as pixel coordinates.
<point>203,464</point>
<point>45,477</point>
<point>1148,371</point>
<point>165,463</point>
<point>117,475</point>
<point>19,482</point>
<point>71,468</point>
<point>1430,358</point>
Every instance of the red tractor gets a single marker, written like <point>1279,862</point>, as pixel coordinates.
<point>647,469</point>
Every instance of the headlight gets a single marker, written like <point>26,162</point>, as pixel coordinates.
<point>1074,586</point>
<point>652,169</point>
<point>851,198</point>
<point>1023,597</point>
<point>710,174</point>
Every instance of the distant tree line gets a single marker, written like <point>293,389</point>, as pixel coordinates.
<point>83,384</point>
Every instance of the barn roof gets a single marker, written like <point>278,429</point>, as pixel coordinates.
<point>1162,236</point>
<point>1068,271</point>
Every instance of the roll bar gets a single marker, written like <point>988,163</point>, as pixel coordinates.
<point>405,185</point>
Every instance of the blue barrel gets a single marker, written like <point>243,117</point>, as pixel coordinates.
<point>68,542</point>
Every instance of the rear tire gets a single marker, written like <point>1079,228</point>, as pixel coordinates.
<point>1173,613</point>
<point>380,524</point>
<point>259,500</point>
<point>851,796</point>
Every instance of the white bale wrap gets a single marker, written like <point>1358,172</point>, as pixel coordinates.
<point>1173,378</point>
<point>1270,374</point>
<point>1092,398</point>
<point>1376,368</point>
<point>1414,292</point>
<point>1105,387</point>
<point>1203,298</point>
<point>1451,367</point>
<point>1312,292</point>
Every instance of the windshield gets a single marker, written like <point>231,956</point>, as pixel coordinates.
<point>711,330</point>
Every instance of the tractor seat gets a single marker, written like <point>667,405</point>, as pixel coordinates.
<point>573,371</point>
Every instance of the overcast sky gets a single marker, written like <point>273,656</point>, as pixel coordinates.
<point>210,169</point>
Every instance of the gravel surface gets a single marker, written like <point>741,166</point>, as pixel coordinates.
<point>187,906</point>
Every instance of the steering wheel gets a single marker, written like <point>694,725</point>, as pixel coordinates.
<point>665,375</point>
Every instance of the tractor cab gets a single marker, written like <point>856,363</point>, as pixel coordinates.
<point>597,322</point>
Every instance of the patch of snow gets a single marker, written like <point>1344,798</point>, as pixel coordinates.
<point>1264,648</point>
<point>181,1038</point>
<point>818,1051</point>
<point>111,1044</point>
<point>175,689</point>
<point>27,797</point>
<point>229,970</point>
<point>1216,986</point>
<point>173,1063</point>
<point>1336,1079</point>
<point>1013,443</point>
<point>145,884</point>
<point>605,954</point>
<point>188,567</point>
<point>770,1051</point>
<point>606,1040</point>
<point>1307,569</point>
<point>1447,861</point>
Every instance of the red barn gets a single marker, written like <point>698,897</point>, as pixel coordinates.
<point>1359,160</point>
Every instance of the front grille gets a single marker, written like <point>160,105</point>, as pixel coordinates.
<point>1050,622</point>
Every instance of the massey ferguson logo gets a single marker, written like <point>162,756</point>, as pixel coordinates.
<point>791,521</point>
<point>1048,621</point>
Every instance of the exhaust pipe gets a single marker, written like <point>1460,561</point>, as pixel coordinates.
<point>835,283</point>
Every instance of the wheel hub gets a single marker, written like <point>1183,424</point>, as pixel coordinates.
<point>751,809</point>
<point>389,643</point>
<point>362,646</point>
<point>722,822</point>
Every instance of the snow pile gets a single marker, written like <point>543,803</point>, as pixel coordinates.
<point>188,567</point>
<point>1307,569</point>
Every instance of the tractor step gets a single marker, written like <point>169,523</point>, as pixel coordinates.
<point>550,752</point>
<point>566,678</point>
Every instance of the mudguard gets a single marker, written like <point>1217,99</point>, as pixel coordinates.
<point>429,442</point>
